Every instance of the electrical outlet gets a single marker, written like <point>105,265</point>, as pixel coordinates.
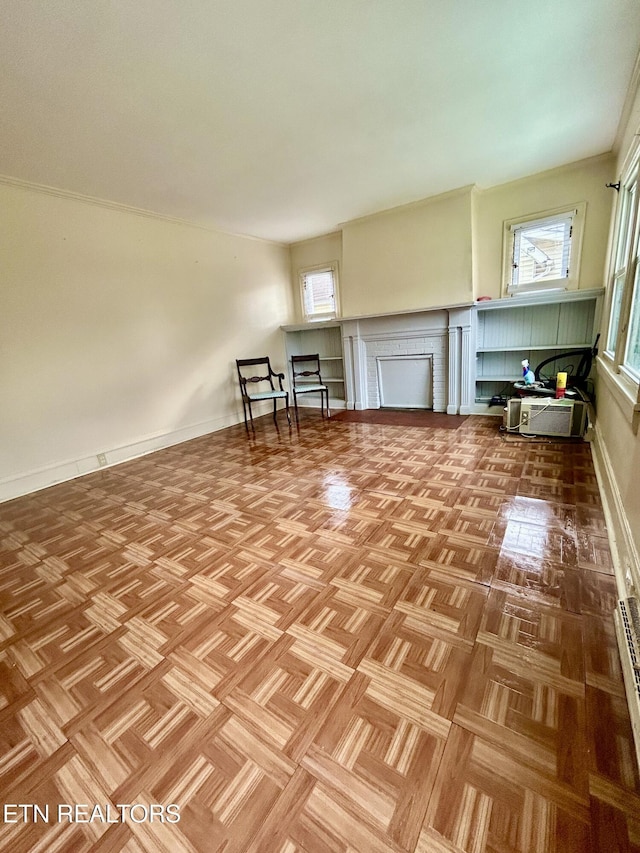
<point>102,459</point>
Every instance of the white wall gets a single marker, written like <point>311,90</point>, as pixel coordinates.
<point>584,181</point>
<point>118,331</point>
<point>618,451</point>
<point>412,257</point>
<point>448,249</point>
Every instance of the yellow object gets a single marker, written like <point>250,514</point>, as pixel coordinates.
<point>561,384</point>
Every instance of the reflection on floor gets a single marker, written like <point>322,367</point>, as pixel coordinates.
<point>347,637</point>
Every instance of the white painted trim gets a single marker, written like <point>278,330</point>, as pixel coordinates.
<point>453,370</point>
<point>124,208</point>
<point>412,205</point>
<point>541,298</point>
<point>467,384</point>
<point>428,309</point>
<point>314,403</point>
<point>41,478</point>
<point>625,392</point>
<point>485,410</point>
<point>353,350</point>
<point>626,560</point>
<point>435,330</point>
<point>625,115</point>
<point>310,320</point>
<point>401,334</point>
<point>576,213</point>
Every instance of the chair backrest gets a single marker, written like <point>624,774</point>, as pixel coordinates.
<point>261,365</point>
<point>305,366</point>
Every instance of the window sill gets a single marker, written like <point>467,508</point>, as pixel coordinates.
<point>557,286</point>
<point>625,391</point>
<point>540,297</point>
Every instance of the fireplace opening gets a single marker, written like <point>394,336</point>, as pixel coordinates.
<point>405,381</point>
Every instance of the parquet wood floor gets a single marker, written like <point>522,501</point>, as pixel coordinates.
<point>347,638</point>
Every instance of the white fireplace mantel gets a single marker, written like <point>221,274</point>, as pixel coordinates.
<point>442,334</point>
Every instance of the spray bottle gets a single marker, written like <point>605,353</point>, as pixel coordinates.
<point>527,374</point>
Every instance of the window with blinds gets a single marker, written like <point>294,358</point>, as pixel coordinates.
<point>625,217</point>
<point>623,328</point>
<point>541,253</point>
<point>319,290</point>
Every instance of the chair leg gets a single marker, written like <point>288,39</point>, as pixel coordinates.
<point>274,410</point>
<point>295,405</point>
<point>286,403</point>
<point>244,412</point>
<point>251,415</point>
<point>327,396</point>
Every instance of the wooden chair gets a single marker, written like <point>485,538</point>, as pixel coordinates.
<point>265,376</point>
<point>305,370</point>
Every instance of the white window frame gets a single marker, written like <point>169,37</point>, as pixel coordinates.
<point>574,215</point>
<point>331,267</point>
<point>624,292</point>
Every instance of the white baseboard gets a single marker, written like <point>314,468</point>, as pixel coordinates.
<point>486,409</point>
<point>32,481</point>
<point>334,403</point>
<point>625,556</point>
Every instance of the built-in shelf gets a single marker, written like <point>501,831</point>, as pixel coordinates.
<point>535,328</point>
<point>325,339</point>
<point>506,377</point>
<point>539,347</point>
<point>485,345</point>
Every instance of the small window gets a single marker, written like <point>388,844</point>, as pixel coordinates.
<point>319,290</point>
<point>542,252</point>
<point>625,214</point>
<point>632,355</point>
<point>623,333</point>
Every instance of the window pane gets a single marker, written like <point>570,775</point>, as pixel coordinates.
<point>319,293</point>
<point>632,359</point>
<point>624,230</point>
<point>541,252</point>
<point>614,322</point>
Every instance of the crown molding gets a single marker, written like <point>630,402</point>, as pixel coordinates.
<point>56,192</point>
<point>412,205</point>
<point>625,115</point>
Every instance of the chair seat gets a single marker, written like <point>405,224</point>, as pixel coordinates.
<point>267,395</point>
<point>300,389</point>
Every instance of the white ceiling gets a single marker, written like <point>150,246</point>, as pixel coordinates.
<point>283,118</point>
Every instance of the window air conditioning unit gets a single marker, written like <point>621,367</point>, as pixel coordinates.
<point>542,416</point>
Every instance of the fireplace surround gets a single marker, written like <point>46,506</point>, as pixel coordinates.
<point>442,335</point>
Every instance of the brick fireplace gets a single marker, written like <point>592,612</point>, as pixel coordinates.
<point>443,336</point>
